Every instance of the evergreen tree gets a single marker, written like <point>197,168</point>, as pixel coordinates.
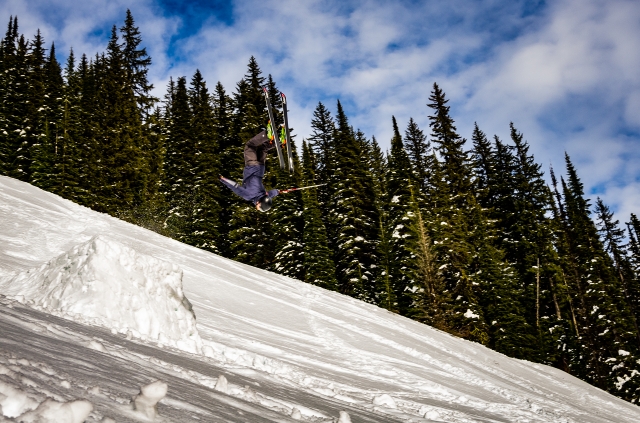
<point>612,237</point>
<point>39,142</point>
<point>152,213</point>
<point>399,189</point>
<point>532,252</point>
<point>51,146</point>
<point>604,321</point>
<point>634,244</point>
<point>248,229</point>
<point>69,160</point>
<point>231,161</point>
<point>322,145</point>
<point>137,62</point>
<point>319,268</point>
<point>89,152</point>
<point>353,218</point>
<point>431,300</point>
<point>205,230</point>
<point>180,162</point>
<point>485,163</point>
<point>418,149</point>
<point>19,113</point>
<point>287,222</point>
<point>287,218</point>
<point>122,165</point>
<point>451,204</point>
<point>384,289</point>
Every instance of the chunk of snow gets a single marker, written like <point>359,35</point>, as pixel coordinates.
<point>222,385</point>
<point>623,352</point>
<point>109,284</point>
<point>145,402</point>
<point>470,314</point>
<point>296,414</point>
<point>14,401</point>
<point>384,400</point>
<point>51,411</point>
<point>95,345</point>
<point>344,417</point>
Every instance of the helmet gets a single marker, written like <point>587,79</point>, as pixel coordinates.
<point>264,203</point>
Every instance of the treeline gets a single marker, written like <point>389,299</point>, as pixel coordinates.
<point>465,237</point>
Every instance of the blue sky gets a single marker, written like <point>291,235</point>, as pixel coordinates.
<point>565,72</point>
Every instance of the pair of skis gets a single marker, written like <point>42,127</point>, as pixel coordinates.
<point>288,163</point>
<point>287,139</point>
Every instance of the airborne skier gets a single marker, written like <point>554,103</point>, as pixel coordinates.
<point>255,154</point>
<point>252,189</point>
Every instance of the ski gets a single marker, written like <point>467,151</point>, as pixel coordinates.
<point>284,191</point>
<point>272,122</point>
<point>286,132</point>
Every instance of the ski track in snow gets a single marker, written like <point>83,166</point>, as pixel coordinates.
<point>284,347</point>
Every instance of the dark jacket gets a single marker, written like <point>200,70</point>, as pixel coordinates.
<point>252,188</point>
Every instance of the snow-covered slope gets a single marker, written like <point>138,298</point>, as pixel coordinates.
<point>270,348</point>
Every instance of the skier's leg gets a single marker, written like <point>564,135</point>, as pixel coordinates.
<point>255,150</point>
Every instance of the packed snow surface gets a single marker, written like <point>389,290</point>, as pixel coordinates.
<point>95,326</point>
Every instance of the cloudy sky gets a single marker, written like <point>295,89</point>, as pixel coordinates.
<point>567,72</point>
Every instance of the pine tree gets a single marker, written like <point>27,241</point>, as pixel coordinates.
<point>532,252</point>
<point>603,318</point>
<point>451,228</point>
<point>634,244</point>
<point>120,136</point>
<point>19,112</point>
<point>322,145</point>
<point>39,141</point>
<point>68,161</point>
<point>10,100</point>
<point>486,164</point>
<point>88,166</point>
<point>319,268</point>
<point>287,222</point>
<point>430,299</point>
<point>612,237</point>
<point>287,218</point>
<point>51,146</point>
<point>180,162</point>
<point>249,230</point>
<point>137,62</point>
<point>152,213</point>
<point>399,197</point>
<point>385,294</point>
<point>230,160</point>
<point>205,225</point>
<point>418,149</point>
<point>353,218</point>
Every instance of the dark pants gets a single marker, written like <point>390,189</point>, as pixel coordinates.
<point>255,150</point>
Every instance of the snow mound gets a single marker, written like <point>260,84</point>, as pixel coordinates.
<point>103,282</point>
<point>51,411</point>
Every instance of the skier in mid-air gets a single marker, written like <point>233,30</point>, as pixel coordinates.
<point>252,189</point>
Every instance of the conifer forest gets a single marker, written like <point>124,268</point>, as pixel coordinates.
<point>464,235</point>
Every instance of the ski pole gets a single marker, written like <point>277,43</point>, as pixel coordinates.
<point>284,191</point>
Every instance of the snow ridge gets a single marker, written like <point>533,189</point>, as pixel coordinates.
<point>106,283</point>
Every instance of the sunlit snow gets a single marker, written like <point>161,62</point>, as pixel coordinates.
<point>97,325</point>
